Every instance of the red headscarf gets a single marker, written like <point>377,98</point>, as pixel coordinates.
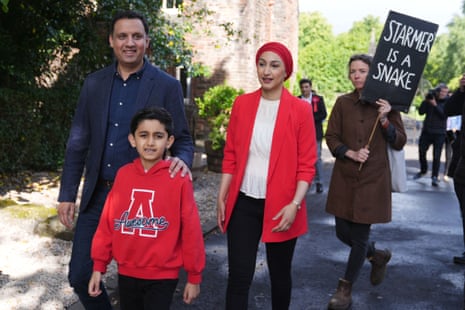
<point>282,51</point>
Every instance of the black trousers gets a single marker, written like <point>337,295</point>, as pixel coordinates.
<point>459,189</point>
<point>244,233</point>
<point>356,236</point>
<point>427,139</point>
<point>142,294</point>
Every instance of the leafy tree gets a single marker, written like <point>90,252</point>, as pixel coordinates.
<point>454,62</point>
<point>315,49</point>
<point>323,57</point>
<point>37,101</point>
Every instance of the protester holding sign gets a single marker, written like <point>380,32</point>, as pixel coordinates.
<point>361,197</point>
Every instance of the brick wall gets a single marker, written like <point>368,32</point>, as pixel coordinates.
<point>257,21</point>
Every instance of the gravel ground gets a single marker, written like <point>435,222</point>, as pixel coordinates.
<point>33,269</point>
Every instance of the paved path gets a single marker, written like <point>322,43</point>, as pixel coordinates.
<point>424,236</point>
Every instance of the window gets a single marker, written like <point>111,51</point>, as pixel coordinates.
<point>170,4</point>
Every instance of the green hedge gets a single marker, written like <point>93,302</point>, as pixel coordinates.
<point>34,127</point>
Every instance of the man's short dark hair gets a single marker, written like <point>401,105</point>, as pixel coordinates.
<point>305,80</point>
<point>129,15</point>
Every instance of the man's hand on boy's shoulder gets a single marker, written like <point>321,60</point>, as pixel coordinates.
<point>177,165</point>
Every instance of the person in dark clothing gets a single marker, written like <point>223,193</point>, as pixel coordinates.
<point>319,115</point>
<point>433,131</point>
<point>455,154</point>
<point>358,198</point>
<point>98,140</point>
<point>455,105</point>
<point>453,128</point>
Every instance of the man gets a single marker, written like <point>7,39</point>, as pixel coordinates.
<point>319,115</point>
<point>433,131</point>
<point>455,106</point>
<point>98,139</point>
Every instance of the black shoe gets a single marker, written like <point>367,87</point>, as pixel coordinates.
<point>418,175</point>
<point>434,181</point>
<point>319,188</point>
<point>460,259</point>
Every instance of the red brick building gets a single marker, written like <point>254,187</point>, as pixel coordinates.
<point>232,60</point>
<point>256,21</point>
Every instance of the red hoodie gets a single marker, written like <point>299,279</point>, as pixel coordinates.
<point>150,225</point>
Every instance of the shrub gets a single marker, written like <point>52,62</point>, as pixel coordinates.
<point>215,107</point>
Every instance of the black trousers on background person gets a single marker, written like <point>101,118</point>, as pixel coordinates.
<point>459,188</point>
<point>437,140</point>
<point>449,141</point>
<point>455,145</point>
<point>243,234</point>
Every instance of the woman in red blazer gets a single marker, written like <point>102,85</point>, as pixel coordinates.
<point>268,165</point>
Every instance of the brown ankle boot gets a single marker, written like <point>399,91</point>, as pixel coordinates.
<point>342,299</point>
<point>378,265</point>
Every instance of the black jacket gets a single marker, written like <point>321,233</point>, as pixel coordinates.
<point>455,106</point>
<point>319,114</point>
<point>436,119</point>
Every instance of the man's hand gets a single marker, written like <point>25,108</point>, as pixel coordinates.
<point>66,212</point>
<point>462,83</point>
<point>94,284</point>
<point>176,165</point>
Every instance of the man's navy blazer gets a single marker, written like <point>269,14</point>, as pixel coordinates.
<point>86,140</point>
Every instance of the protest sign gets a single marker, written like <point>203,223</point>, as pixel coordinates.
<point>399,60</point>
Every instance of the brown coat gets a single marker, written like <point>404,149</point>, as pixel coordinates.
<point>360,196</point>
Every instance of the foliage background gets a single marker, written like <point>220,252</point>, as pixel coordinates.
<point>43,62</point>
<point>323,56</point>
<point>49,46</point>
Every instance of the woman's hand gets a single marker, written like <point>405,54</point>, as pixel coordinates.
<point>220,214</point>
<point>287,215</point>
<point>359,156</point>
<point>383,108</point>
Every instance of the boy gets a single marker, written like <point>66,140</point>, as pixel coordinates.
<point>150,224</point>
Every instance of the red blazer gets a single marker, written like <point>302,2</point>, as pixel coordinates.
<point>292,158</point>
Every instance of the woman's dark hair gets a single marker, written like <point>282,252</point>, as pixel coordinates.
<point>362,57</point>
<point>154,113</point>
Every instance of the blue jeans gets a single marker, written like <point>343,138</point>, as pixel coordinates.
<point>81,265</point>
